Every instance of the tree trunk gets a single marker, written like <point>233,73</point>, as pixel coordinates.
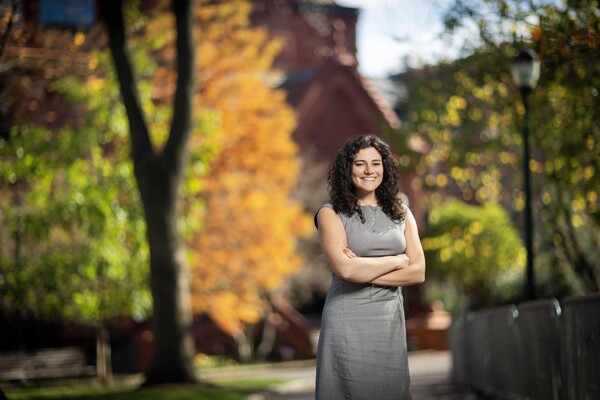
<point>244,346</point>
<point>103,356</point>
<point>159,177</point>
<point>173,346</point>
<point>269,334</point>
<point>578,257</point>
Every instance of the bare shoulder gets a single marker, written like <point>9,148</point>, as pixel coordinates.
<point>407,212</point>
<point>409,218</point>
<point>410,223</point>
<point>326,216</point>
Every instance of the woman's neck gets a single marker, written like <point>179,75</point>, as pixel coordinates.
<point>367,201</point>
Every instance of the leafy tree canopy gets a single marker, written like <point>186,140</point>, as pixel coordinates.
<point>478,248</point>
<point>466,118</point>
<point>247,246</point>
<point>74,223</point>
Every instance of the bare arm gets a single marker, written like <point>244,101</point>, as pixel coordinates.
<point>415,271</point>
<point>355,269</point>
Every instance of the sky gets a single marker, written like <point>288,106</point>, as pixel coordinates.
<point>395,33</point>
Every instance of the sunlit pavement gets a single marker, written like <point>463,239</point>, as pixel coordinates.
<point>429,370</point>
<point>430,375</point>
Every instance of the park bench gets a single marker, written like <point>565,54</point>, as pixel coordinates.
<point>63,362</point>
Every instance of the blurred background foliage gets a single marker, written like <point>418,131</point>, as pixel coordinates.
<point>478,249</point>
<point>251,222</point>
<point>466,116</point>
<point>73,241</point>
<point>73,245</point>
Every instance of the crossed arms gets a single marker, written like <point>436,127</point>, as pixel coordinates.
<point>399,270</point>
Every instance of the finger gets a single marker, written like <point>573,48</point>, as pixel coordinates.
<point>349,253</point>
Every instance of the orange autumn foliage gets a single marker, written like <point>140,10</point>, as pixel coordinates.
<point>247,245</point>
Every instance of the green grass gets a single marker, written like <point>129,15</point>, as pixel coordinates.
<point>217,385</point>
<point>224,390</point>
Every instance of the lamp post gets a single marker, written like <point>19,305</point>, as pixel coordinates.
<point>525,73</point>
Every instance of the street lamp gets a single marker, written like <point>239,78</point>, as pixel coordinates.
<point>525,73</point>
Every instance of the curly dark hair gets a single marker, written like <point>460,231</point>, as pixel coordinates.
<point>342,192</point>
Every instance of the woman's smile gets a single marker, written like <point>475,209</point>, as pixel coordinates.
<point>367,171</point>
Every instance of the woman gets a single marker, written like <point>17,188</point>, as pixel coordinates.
<point>372,244</point>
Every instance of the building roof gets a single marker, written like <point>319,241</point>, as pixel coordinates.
<point>334,102</point>
<point>298,83</point>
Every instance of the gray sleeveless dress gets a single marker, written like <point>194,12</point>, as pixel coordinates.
<point>362,352</point>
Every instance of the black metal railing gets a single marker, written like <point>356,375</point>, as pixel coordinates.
<point>536,350</point>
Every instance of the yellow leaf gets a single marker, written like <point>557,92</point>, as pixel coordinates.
<point>79,39</point>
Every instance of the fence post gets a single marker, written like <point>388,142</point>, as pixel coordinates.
<point>540,338</point>
<point>581,316</point>
<point>505,372</point>
<point>478,351</point>
<point>457,341</point>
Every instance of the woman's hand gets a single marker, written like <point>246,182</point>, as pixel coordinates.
<point>348,253</point>
<point>403,261</point>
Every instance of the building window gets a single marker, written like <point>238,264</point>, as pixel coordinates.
<point>68,13</point>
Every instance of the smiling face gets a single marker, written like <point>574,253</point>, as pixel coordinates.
<point>367,172</point>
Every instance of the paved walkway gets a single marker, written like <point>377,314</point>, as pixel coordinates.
<point>429,370</point>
